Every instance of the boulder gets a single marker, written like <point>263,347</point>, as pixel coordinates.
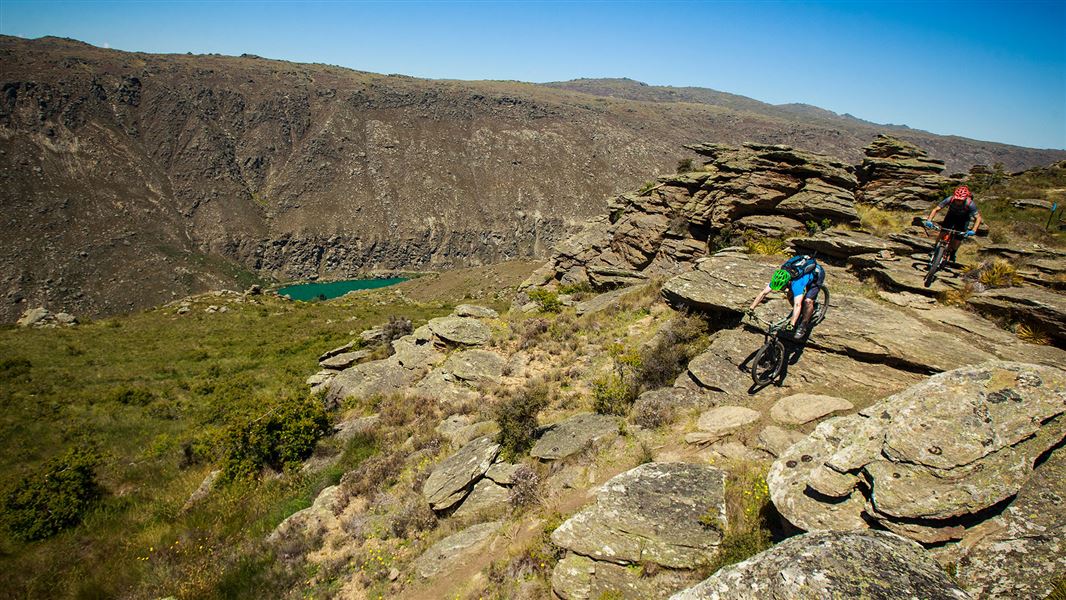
<point>775,226</point>
<point>477,312</point>
<point>1033,306</point>
<point>487,497</point>
<point>577,577</point>
<point>1018,553</point>
<point>68,319</point>
<point>374,334</point>
<point>503,473</point>
<point>454,549</point>
<point>444,388</point>
<point>573,435</point>
<point>33,316</point>
<point>841,243</point>
<point>476,366</point>
<point>655,513</point>
<point>933,459</point>
<point>369,379</point>
<point>898,175</point>
<point>717,423</point>
<point>871,565</point>
<point>413,354</point>
<point>452,478</point>
<point>799,409</point>
<point>463,331</point>
<point>314,520</point>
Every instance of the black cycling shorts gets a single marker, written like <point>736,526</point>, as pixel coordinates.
<point>959,222</point>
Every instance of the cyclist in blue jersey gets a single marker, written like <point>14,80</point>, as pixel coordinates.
<point>803,278</point>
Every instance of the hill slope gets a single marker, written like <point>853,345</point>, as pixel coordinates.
<point>130,177</point>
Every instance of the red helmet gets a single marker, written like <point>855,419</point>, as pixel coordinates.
<point>961,193</point>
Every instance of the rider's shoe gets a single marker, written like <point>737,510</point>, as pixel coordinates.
<point>786,332</point>
<point>801,330</point>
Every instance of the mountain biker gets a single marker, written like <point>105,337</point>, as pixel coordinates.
<point>803,277</point>
<point>961,208</point>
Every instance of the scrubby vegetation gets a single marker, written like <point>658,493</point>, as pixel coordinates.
<point>166,399</point>
<point>516,414</point>
<point>546,300</point>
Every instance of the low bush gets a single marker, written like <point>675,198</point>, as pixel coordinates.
<point>525,489</point>
<point>131,396</point>
<point>414,516</point>
<point>547,300</point>
<point>652,412</point>
<point>278,439</point>
<point>882,222</point>
<point>52,499</point>
<point>765,245</point>
<point>532,331</point>
<point>685,165</point>
<point>516,415</point>
<point>613,394</point>
<point>749,516</point>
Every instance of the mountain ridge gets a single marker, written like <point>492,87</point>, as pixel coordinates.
<point>133,178</point>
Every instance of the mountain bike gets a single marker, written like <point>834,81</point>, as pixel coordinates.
<point>938,257</point>
<point>769,361</point>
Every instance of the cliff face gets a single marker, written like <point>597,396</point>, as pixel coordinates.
<point>128,178</point>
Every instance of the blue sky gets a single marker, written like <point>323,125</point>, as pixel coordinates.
<point>985,70</point>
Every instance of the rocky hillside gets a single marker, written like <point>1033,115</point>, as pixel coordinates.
<point>130,178</point>
<point>615,445</point>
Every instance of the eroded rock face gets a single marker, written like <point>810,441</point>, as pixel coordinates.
<point>1034,306</point>
<point>453,477</point>
<point>721,283</point>
<point>832,564</point>
<point>931,459</point>
<point>366,380</point>
<point>897,175</point>
<point>477,312</point>
<point>475,366</point>
<point>840,243</point>
<point>651,514</point>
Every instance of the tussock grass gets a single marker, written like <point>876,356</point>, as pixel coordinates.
<point>1032,334</point>
<point>882,222</point>
<point>957,297</point>
<point>768,246</point>
<point>999,273</point>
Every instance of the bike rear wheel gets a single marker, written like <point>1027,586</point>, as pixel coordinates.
<point>935,262</point>
<point>768,362</point>
<point>821,305</point>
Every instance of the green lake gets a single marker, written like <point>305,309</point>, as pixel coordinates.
<point>334,289</point>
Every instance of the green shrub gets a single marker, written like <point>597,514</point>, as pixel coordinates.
<point>13,368</point>
<point>131,396</point>
<point>281,438</point>
<point>547,300</point>
<point>517,417</point>
<point>684,165</point>
<point>52,499</point>
<point>613,394</point>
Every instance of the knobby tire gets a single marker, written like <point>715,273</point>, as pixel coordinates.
<point>768,362</point>
<point>934,264</point>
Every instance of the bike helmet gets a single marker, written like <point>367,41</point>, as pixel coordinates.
<point>780,279</point>
<point>961,193</point>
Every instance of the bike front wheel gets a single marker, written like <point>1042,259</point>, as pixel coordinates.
<point>935,262</point>
<point>768,362</point>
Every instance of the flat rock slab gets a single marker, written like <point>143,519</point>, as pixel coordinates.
<point>871,565</point>
<point>464,331</point>
<point>717,423</point>
<point>840,243</point>
<point>414,354</point>
<point>477,312</point>
<point>724,282</point>
<point>605,300</point>
<point>651,514</point>
<point>905,274</point>
<point>1045,309</point>
<point>577,577</point>
<point>867,330</point>
<point>503,473</point>
<point>487,497</point>
<point>334,352</point>
<point>932,459</point>
<point>451,480</point>
<point>804,408</point>
<point>343,360</point>
<point>443,387</point>
<point>718,367</point>
<point>454,549</point>
<point>479,366</point>
<point>573,435</point>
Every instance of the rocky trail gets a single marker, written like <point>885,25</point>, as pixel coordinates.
<point>913,447</point>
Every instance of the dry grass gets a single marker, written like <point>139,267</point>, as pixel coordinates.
<point>767,246</point>
<point>958,297</point>
<point>1032,335</point>
<point>882,222</point>
<point>999,273</point>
